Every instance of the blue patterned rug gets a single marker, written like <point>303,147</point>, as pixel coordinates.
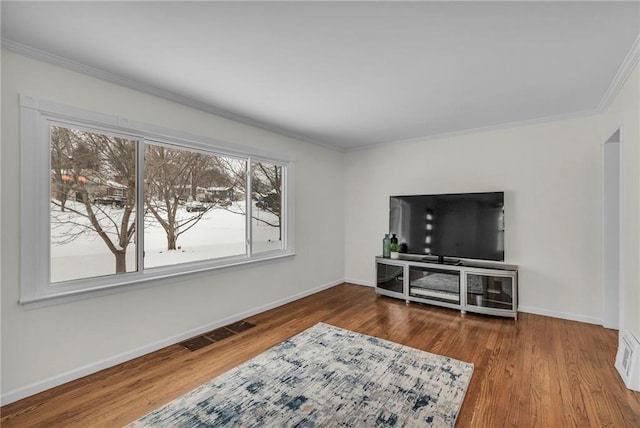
<point>325,377</point>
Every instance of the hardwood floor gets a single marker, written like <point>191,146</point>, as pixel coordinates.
<point>533,372</point>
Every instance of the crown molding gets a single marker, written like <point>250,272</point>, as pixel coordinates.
<point>497,127</point>
<point>146,88</point>
<point>631,60</point>
<point>624,71</point>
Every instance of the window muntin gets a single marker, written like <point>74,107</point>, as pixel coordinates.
<point>93,204</point>
<point>37,288</point>
<point>194,208</point>
<point>267,214</point>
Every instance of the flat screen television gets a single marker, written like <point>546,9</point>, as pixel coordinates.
<point>460,225</point>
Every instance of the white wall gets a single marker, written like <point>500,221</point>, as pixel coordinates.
<point>551,176</point>
<point>624,112</point>
<point>44,346</point>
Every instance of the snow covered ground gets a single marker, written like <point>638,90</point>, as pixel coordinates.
<point>220,233</point>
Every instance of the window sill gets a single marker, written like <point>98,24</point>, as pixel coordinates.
<point>160,276</point>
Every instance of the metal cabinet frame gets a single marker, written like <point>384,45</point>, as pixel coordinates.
<point>464,268</point>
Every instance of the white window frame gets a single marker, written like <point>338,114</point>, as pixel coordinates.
<point>36,115</point>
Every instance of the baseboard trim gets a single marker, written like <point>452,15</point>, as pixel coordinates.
<point>360,282</point>
<point>561,315</point>
<point>526,309</point>
<point>78,373</point>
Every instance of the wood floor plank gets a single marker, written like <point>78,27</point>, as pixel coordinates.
<point>533,372</point>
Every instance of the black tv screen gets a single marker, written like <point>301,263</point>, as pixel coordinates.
<point>463,225</point>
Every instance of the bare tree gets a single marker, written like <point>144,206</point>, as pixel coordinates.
<point>266,188</point>
<point>233,174</point>
<point>82,161</point>
<point>171,176</point>
<point>266,185</point>
<point>68,161</point>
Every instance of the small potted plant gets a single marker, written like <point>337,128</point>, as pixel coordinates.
<point>394,250</point>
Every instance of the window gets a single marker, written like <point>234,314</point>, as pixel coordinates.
<point>93,204</point>
<point>267,218</point>
<point>194,206</point>
<point>107,202</point>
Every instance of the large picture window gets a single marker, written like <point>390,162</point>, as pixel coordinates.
<point>109,203</point>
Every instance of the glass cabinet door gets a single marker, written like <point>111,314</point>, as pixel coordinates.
<point>434,284</point>
<point>390,277</point>
<point>490,291</point>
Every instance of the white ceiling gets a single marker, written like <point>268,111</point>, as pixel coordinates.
<point>346,74</point>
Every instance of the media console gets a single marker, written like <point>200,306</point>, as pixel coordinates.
<point>480,287</point>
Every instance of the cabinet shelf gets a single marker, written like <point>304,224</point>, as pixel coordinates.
<point>487,288</point>
<point>426,292</point>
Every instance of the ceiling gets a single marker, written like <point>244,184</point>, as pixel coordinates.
<point>345,74</point>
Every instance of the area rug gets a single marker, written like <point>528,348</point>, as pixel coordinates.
<point>325,377</point>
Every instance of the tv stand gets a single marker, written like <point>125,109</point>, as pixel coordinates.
<point>480,287</point>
